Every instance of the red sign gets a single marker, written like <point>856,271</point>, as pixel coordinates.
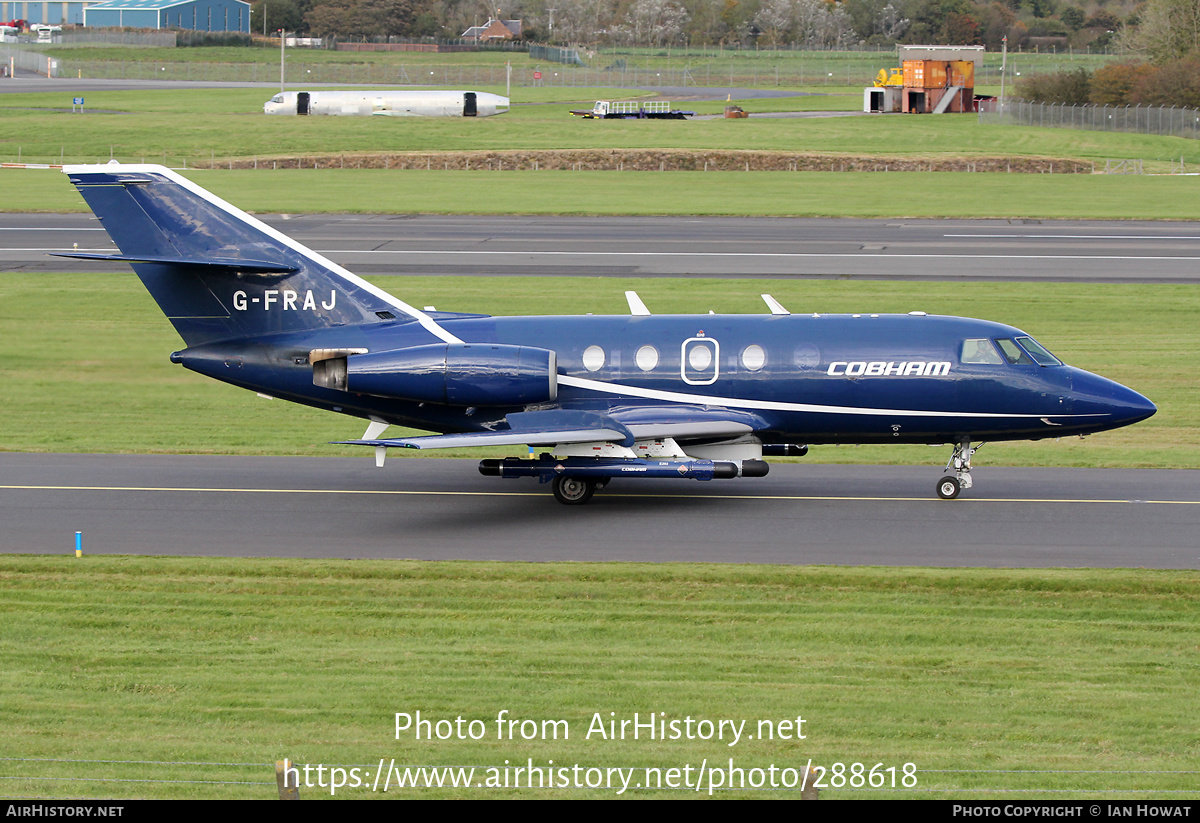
<point>537,75</point>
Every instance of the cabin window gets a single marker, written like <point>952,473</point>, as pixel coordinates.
<point>1013,353</point>
<point>980,350</point>
<point>806,356</point>
<point>647,358</point>
<point>593,358</point>
<point>753,357</point>
<point>1038,353</point>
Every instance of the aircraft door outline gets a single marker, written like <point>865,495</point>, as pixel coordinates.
<point>700,361</point>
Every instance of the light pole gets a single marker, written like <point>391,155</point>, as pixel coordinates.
<point>282,40</point>
<point>1003,60</point>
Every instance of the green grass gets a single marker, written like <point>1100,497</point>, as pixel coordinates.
<point>799,194</point>
<point>102,381</point>
<point>1018,684</point>
<point>198,127</point>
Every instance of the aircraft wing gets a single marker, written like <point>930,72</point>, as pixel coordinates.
<point>561,426</point>
<point>536,428</point>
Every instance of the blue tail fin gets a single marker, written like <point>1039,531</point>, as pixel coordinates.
<point>218,273</point>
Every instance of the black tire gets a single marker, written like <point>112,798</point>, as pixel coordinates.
<point>948,487</point>
<point>573,491</point>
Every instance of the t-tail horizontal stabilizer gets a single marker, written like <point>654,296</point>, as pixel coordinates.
<point>217,272</point>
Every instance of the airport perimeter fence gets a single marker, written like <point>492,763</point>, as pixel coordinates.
<point>821,69</point>
<point>105,37</point>
<point>1160,120</point>
<point>468,76</point>
<point>23,60</point>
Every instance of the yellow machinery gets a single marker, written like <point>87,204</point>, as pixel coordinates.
<point>884,79</point>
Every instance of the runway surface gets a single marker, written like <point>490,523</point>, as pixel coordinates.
<point>443,509</point>
<point>995,250</point>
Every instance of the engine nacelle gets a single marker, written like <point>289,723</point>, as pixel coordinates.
<point>457,374</point>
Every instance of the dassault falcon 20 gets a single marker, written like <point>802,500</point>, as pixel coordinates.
<point>686,396</point>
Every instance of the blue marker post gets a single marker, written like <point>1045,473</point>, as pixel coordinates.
<point>79,544</point>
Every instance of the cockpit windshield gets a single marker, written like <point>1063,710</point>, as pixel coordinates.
<point>1013,353</point>
<point>1020,351</point>
<point>1038,353</point>
<point>277,98</point>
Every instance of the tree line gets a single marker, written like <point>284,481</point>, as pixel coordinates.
<point>830,24</point>
<point>1158,30</point>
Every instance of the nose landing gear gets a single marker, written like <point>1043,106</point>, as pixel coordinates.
<point>949,486</point>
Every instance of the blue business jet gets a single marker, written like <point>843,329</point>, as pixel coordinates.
<point>695,396</point>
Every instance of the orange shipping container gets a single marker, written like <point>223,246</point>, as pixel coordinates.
<point>935,74</point>
<point>962,73</point>
<point>930,74</point>
<point>914,74</point>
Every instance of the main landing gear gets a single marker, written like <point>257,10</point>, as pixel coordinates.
<point>950,485</point>
<point>573,491</point>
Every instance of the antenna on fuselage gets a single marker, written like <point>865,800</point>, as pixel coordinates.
<point>774,305</point>
<point>636,306</point>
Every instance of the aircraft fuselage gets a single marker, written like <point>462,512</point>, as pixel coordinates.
<point>794,378</point>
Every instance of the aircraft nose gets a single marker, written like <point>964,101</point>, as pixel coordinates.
<point>1120,405</point>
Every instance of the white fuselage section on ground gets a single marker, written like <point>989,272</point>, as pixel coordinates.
<point>388,103</point>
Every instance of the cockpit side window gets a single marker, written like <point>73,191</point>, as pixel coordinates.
<point>1038,353</point>
<point>1013,353</point>
<point>980,350</point>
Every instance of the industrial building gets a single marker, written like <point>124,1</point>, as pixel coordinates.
<point>45,13</point>
<point>197,15</point>
<point>931,79</point>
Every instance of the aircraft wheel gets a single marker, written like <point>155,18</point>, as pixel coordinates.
<point>948,487</point>
<point>573,491</point>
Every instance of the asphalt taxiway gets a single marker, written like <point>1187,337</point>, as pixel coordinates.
<point>540,246</point>
<point>443,509</point>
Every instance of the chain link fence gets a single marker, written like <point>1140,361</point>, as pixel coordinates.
<point>835,74</point>
<point>13,60</point>
<point>815,69</point>
<point>1161,120</point>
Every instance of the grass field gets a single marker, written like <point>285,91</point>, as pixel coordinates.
<point>801,194</point>
<point>128,677</point>
<point>191,128</point>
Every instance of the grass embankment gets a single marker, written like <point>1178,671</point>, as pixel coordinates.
<point>102,382</point>
<point>765,194</point>
<point>1013,684</point>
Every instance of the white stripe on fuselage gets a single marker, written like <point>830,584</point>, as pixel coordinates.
<point>774,405</point>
